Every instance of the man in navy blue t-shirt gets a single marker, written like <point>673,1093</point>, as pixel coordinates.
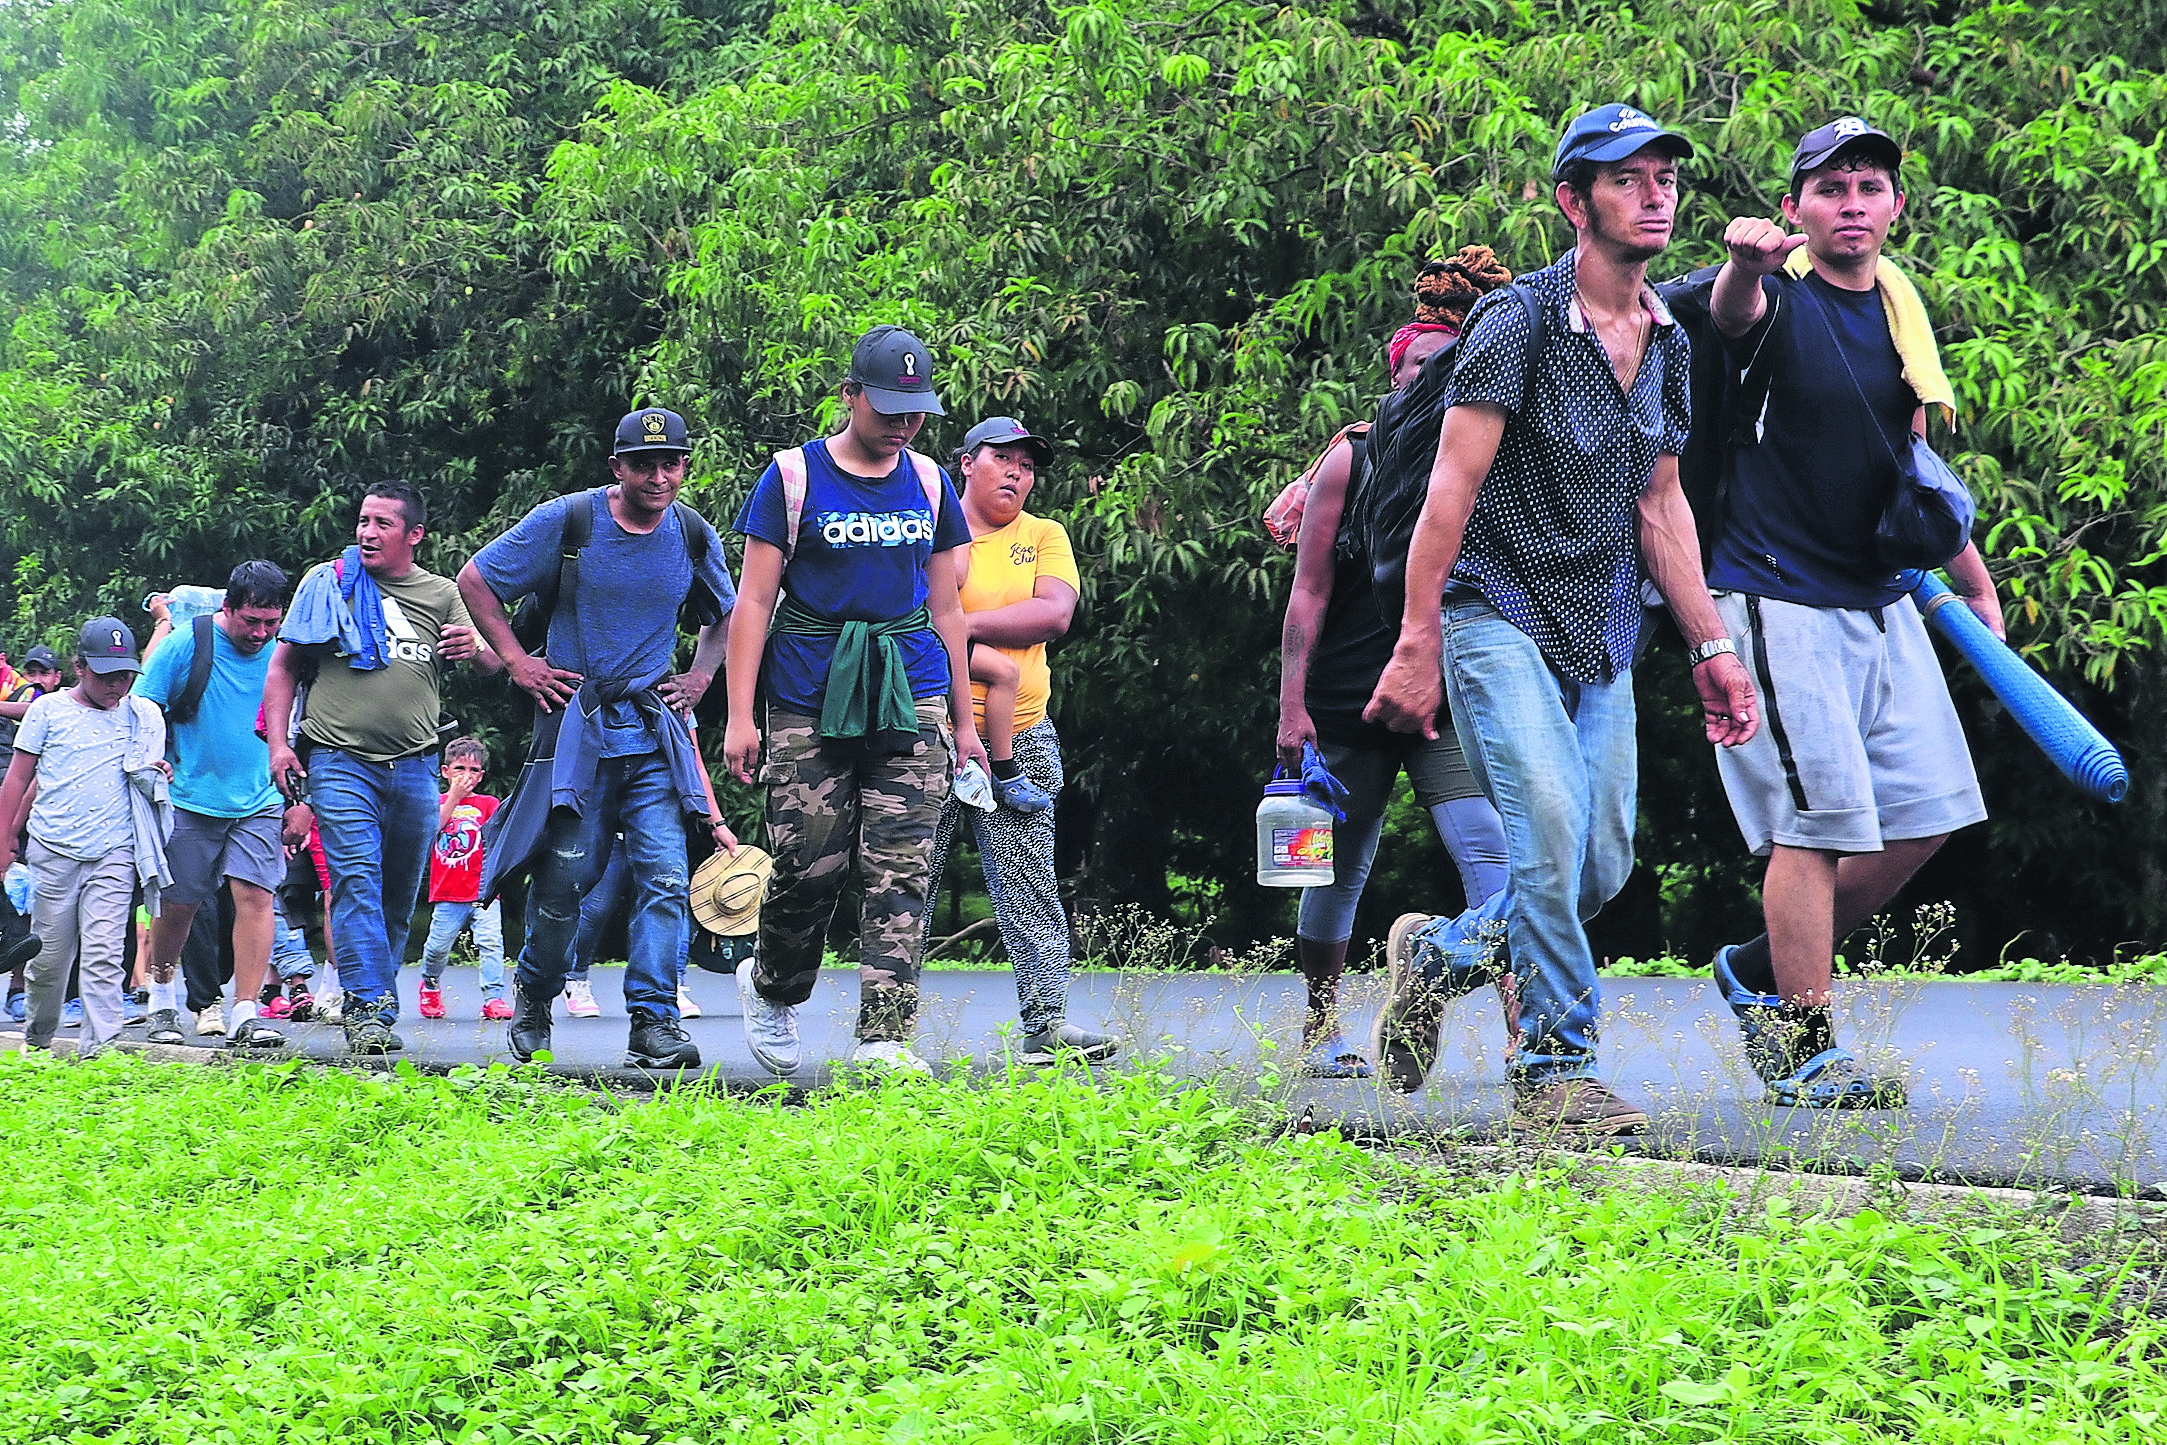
<point>610,700</point>
<point>1862,770</point>
<point>855,547</point>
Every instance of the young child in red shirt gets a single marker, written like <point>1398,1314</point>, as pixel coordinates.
<point>455,876</point>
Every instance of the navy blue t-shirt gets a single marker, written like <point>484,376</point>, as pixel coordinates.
<point>862,549</point>
<point>1804,501</point>
<point>622,623</point>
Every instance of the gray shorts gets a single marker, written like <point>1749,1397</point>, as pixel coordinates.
<point>1858,741</point>
<point>204,850</point>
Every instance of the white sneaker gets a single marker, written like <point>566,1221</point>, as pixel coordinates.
<point>888,1054</point>
<point>686,1008</point>
<point>331,1009</point>
<point>579,1000</point>
<point>211,1023</point>
<point>771,1029</point>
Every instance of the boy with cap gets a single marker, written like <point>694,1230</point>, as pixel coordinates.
<point>867,697</point>
<point>1862,770</point>
<point>97,828</point>
<point>1555,483</point>
<point>616,565</point>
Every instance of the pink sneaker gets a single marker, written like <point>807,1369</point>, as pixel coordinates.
<point>496,1008</point>
<point>432,1001</point>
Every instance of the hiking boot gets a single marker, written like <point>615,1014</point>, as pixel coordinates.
<point>771,1029</point>
<point>888,1055</point>
<point>1834,1079</point>
<point>211,1023</point>
<point>256,1034</point>
<point>1573,1106</point>
<point>1060,1040</point>
<point>1405,1040</point>
<point>165,1027</point>
<point>1760,1020</point>
<point>432,999</point>
<point>496,1010</point>
<point>659,1043</point>
<point>371,1035</point>
<point>529,1033</point>
<point>579,1000</point>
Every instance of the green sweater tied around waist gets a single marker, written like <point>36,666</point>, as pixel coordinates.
<point>867,704</point>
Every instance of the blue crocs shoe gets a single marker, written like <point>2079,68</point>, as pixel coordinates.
<point>18,1005</point>
<point>1832,1079</point>
<point>1760,1019</point>
<point>71,1014</point>
<point>1332,1057</point>
<point>1019,794</point>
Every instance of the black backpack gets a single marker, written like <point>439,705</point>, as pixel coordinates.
<point>190,697</point>
<point>1728,402</point>
<point>530,620</point>
<point>1394,477</point>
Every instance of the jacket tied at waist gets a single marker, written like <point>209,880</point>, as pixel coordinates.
<point>867,705</point>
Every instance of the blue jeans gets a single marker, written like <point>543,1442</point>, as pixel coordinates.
<point>289,945</point>
<point>445,921</point>
<point>1557,758</point>
<point>377,821</point>
<point>637,796</point>
<point>603,900</point>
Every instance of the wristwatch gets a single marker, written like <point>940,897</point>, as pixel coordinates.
<point>1713,647</point>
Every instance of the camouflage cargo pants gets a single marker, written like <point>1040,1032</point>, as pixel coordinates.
<point>823,810</point>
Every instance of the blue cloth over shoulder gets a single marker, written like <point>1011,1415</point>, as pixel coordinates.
<point>340,607</point>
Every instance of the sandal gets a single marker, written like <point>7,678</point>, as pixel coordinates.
<point>1332,1057</point>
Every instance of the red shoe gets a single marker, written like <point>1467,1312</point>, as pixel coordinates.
<point>278,1008</point>
<point>432,1001</point>
<point>496,1008</point>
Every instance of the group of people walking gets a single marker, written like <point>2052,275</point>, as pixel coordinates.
<point>884,650</point>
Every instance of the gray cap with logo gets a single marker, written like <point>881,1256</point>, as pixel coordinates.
<point>896,372</point>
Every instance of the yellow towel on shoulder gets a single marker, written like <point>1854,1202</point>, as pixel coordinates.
<point>1908,328</point>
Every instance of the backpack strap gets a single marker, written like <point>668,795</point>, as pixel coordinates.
<point>184,707</point>
<point>929,481</point>
<point>790,465</point>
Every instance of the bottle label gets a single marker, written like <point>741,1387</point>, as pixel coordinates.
<point>1301,847</point>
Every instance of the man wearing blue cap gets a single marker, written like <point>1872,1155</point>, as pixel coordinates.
<point>1862,770</point>
<point>1556,482</point>
<point>611,570</point>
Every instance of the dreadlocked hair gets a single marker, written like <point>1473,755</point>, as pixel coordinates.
<point>1445,290</point>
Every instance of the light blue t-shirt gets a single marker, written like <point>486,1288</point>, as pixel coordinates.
<point>623,622</point>
<point>220,767</point>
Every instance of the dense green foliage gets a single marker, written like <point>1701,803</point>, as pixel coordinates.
<point>274,1254</point>
<point>256,256</point>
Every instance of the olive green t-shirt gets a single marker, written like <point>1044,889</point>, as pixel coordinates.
<point>390,712</point>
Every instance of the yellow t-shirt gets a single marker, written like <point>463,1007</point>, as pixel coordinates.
<point>1005,568</point>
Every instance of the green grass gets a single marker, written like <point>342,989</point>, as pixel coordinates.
<point>270,1253</point>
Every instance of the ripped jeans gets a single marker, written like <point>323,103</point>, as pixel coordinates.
<point>635,795</point>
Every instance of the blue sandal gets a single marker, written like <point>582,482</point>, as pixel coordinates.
<point>1332,1057</point>
<point>1832,1079</point>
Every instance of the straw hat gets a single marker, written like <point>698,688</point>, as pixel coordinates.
<point>727,889</point>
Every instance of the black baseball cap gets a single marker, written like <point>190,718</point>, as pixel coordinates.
<point>896,371</point>
<point>651,429</point>
<point>107,646</point>
<point>1818,147</point>
<point>1006,431</point>
<point>41,656</point>
<point>1611,133</point>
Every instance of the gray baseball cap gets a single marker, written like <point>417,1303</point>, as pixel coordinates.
<point>107,645</point>
<point>1006,431</point>
<point>1816,148</point>
<point>896,371</point>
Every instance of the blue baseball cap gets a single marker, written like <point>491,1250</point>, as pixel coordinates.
<point>651,429</point>
<point>1006,431</point>
<point>1611,133</point>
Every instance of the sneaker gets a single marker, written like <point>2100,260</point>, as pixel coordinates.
<point>1760,1020</point>
<point>325,1010</point>
<point>579,1000</point>
<point>211,1023</point>
<point>1332,1057</point>
<point>496,1008</point>
<point>372,1036</point>
<point>1063,1040</point>
<point>1019,794</point>
<point>165,1027</point>
<point>1833,1079</point>
<point>686,1008</point>
<point>1405,1040</point>
<point>255,1033</point>
<point>71,1014</point>
<point>278,1009</point>
<point>887,1054</point>
<point>659,1043</point>
<point>1574,1106</point>
<point>18,1005</point>
<point>771,1029</point>
<point>529,1033</point>
<point>132,1010</point>
<point>432,999</point>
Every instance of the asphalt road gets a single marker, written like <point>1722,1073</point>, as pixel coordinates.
<point>2026,1085</point>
